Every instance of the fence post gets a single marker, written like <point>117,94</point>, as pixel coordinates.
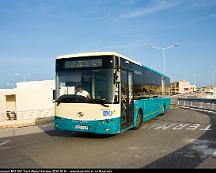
<point>184,104</point>
<point>191,104</point>
<point>201,105</point>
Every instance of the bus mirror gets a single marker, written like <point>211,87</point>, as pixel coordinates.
<point>54,94</point>
<point>117,77</point>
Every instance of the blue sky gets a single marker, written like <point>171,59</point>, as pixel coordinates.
<point>34,32</point>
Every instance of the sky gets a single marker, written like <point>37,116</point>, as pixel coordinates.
<point>34,32</point>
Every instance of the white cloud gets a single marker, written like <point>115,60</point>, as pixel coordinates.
<point>154,7</point>
<point>203,18</point>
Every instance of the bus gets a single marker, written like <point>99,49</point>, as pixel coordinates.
<point>123,93</point>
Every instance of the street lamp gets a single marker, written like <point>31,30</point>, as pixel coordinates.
<point>24,75</point>
<point>163,50</point>
<point>213,78</point>
<point>209,81</point>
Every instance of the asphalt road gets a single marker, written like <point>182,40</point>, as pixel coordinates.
<point>179,139</point>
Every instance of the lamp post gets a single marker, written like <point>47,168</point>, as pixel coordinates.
<point>24,75</point>
<point>213,78</point>
<point>164,56</point>
<point>209,81</point>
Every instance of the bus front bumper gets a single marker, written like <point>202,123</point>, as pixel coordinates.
<point>106,126</point>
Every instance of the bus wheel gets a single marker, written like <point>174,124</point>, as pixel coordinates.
<point>138,120</point>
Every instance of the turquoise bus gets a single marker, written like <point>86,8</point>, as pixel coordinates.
<point>120,93</point>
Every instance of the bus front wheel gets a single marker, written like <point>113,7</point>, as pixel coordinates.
<point>138,120</point>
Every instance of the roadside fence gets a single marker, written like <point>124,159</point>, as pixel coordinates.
<point>201,103</point>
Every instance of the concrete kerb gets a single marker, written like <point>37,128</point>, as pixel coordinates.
<point>23,127</point>
<point>25,123</point>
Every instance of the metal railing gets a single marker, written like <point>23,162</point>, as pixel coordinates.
<point>201,103</point>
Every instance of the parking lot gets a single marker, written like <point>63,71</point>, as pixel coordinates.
<point>179,139</point>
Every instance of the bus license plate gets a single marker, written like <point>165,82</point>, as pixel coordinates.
<point>81,127</point>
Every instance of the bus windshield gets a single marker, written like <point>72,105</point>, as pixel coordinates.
<point>97,82</point>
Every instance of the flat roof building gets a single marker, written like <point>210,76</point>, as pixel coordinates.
<point>28,100</point>
<point>182,87</point>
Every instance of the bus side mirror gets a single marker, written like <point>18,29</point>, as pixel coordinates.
<point>54,94</point>
<point>117,77</point>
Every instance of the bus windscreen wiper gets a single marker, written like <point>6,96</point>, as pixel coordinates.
<point>78,99</point>
<point>99,102</point>
<point>71,99</point>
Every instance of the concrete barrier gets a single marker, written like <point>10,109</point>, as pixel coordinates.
<point>24,123</point>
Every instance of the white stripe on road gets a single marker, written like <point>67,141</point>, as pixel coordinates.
<point>3,142</point>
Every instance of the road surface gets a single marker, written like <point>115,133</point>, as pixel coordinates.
<point>179,139</point>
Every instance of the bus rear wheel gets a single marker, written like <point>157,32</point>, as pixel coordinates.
<point>138,120</point>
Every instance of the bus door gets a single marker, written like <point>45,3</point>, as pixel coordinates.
<point>126,99</point>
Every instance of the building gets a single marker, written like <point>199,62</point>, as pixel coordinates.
<point>174,88</point>
<point>193,88</point>
<point>182,87</point>
<point>29,100</point>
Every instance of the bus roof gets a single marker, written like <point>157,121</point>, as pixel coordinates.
<point>106,53</point>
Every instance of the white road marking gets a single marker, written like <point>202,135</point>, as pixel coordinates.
<point>164,126</point>
<point>154,125</point>
<point>203,110</point>
<point>177,126</point>
<point>3,142</point>
<point>2,148</point>
<point>193,127</point>
<point>180,126</point>
<point>207,128</point>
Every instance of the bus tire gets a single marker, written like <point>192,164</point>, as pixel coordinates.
<point>138,120</point>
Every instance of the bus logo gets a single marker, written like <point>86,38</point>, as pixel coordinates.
<point>80,114</point>
<point>107,113</point>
